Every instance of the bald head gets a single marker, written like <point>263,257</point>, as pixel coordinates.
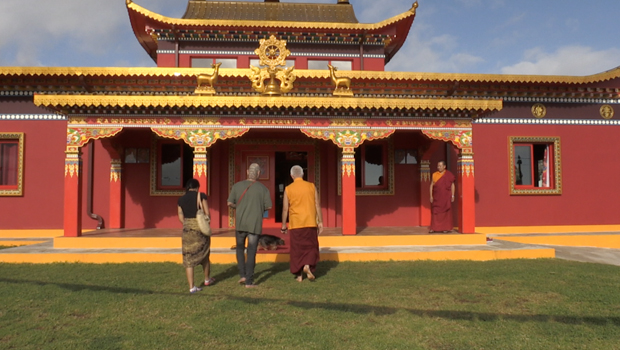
<point>253,171</point>
<point>297,171</point>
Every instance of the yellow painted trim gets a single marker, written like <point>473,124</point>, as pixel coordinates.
<point>31,233</point>
<point>19,243</point>
<point>264,101</point>
<point>547,229</point>
<point>416,240</point>
<point>94,258</point>
<point>310,74</point>
<point>598,241</point>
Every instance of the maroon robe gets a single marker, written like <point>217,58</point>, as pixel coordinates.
<point>304,249</point>
<point>441,208</point>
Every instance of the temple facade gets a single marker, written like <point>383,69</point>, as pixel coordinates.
<point>284,84</point>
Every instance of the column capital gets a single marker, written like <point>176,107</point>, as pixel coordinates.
<point>199,138</point>
<point>348,139</point>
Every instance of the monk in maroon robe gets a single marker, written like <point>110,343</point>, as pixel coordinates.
<point>442,196</point>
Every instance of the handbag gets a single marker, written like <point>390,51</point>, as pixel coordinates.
<point>202,218</point>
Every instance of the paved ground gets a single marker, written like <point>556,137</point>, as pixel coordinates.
<point>582,254</point>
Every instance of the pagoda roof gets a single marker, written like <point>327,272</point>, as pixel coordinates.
<point>366,85</point>
<point>296,19</point>
<point>270,11</point>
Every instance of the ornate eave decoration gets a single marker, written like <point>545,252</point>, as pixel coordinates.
<point>462,139</point>
<point>313,74</point>
<point>200,138</point>
<point>59,101</point>
<point>272,53</point>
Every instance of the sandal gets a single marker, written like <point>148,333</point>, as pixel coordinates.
<point>210,281</point>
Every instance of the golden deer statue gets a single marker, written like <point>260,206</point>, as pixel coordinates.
<point>342,84</point>
<point>206,82</point>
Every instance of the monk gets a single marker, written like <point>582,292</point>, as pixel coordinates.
<point>301,201</point>
<point>442,196</point>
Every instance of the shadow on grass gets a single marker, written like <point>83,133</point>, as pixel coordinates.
<point>445,314</point>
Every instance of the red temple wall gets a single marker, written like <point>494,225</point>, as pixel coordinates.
<point>41,206</point>
<point>589,173</point>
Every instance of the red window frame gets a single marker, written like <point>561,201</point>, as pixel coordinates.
<point>360,166</point>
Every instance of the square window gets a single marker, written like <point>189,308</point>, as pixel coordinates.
<point>535,165</point>
<point>322,64</point>
<point>172,165</point>
<point>11,164</point>
<point>374,168</point>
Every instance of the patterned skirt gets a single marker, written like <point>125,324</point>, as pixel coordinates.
<point>196,246</point>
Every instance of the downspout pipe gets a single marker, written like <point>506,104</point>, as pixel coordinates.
<point>89,190</point>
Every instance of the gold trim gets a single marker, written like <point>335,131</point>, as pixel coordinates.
<point>606,111</point>
<point>312,74</point>
<point>264,101</point>
<point>271,24</point>
<point>557,165</point>
<point>390,169</point>
<point>19,191</point>
<point>539,110</point>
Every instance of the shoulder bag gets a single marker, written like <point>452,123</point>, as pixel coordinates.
<point>202,218</point>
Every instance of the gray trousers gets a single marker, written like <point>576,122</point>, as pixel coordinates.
<point>246,266</point>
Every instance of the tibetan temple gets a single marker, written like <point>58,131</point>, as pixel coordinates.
<point>285,84</point>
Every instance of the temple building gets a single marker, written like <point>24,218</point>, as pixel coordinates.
<point>284,84</point>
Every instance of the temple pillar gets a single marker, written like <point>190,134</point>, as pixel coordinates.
<point>466,193</point>
<point>200,168</point>
<point>349,226</point>
<point>116,194</point>
<point>72,223</point>
<point>425,195</point>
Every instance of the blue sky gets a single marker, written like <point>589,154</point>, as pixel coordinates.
<point>566,37</point>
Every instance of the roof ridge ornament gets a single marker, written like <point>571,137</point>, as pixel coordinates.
<point>272,54</point>
<point>206,82</point>
<point>342,84</point>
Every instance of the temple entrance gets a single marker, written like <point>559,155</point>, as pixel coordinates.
<point>275,170</point>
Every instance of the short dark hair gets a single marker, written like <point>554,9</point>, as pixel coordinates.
<point>192,184</point>
<point>442,161</point>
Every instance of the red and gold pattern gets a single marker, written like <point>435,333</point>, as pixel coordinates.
<point>116,169</point>
<point>349,138</point>
<point>465,165</point>
<point>78,137</point>
<point>348,163</point>
<point>72,166</point>
<point>425,170</point>
<point>200,164</point>
<point>460,138</point>
<point>199,139</point>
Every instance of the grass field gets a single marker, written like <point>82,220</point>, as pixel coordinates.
<point>509,304</point>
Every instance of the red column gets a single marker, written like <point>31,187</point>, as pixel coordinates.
<point>467,193</point>
<point>73,193</point>
<point>200,168</point>
<point>425,183</point>
<point>349,225</point>
<point>116,194</point>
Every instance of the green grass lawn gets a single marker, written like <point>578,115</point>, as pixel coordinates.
<point>509,304</point>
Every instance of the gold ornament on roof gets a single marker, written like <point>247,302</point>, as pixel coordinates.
<point>206,82</point>
<point>272,54</point>
<point>342,84</point>
<point>607,111</point>
<point>539,110</point>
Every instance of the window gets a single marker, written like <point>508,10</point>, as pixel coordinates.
<point>374,168</point>
<point>322,64</point>
<point>207,62</point>
<point>535,165</point>
<point>256,63</point>
<point>172,164</point>
<point>11,164</point>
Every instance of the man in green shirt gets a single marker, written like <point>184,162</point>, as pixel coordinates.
<point>250,199</point>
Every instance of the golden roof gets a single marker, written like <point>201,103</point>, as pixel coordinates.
<point>318,74</point>
<point>311,21</point>
<point>269,11</point>
<point>264,102</point>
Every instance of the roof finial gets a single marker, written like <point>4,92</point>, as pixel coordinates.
<point>346,2</point>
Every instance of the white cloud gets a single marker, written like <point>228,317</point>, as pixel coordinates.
<point>568,60</point>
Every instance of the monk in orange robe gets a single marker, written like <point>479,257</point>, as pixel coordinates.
<point>303,208</point>
<point>442,196</point>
